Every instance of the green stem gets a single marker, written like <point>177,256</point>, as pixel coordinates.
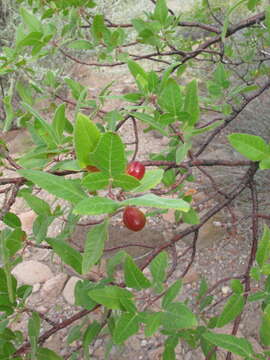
<point>6,267</point>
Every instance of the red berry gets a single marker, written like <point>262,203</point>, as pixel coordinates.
<point>133,218</point>
<point>92,168</point>
<point>136,169</point>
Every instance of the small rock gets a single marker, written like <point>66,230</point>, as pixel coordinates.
<point>156,354</point>
<point>191,276</point>
<point>27,219</point>
<point>53,287</point>
<point>68,291</point>
<point>32,272</point>
<point>42,309</point>
<point>225,290</point>
<point>36,288</point>
<point>169,216</point>
<point>54,343</point>
<point>144,342</point>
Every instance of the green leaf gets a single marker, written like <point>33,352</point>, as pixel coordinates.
<point>96,205</point>
<point>8,285</point>
<point>265,164</point>
<point>202,130</point>
<point>177,317</point>
<point>94,245</point>
<point>257,296</point>
<point>227,15</point>
<point>126,326</point>
<point>33,330</point>
<point>169,349</point>
<point>39,206</point>
<point>251,146</point>
<point>14,241</point>
<point>208,348</point>
<point>161,11</point>
<point>98,27</point>
<point>232,309</point>
<point>134,277</point>
<point>128,305</point>
<point>158,267</point>
<point>82,297</point>
<point>90,334</point>
<point>139,75</point>
<point>203,289</point>
<point>25,92</point>
<point>192,102</point>
<point>30,20</point>
<point>112,263</point>
<point>153,322</point>
<point>112,118</point>
<point>76,88</point>
<point>69,255</point>
<point>150,180</point>
<point>263,252</point>
<point>265,327</point>
<point>181,152</point>
<point>86,136</point>
<point>9,112</point>
<point>96,181</point>
<point>153,82</point>
<point>221,76</point>
<point>239,346</point>
<point>171,293</point>
<point>126,182</point>
<point>47,354</point>
<point>191,217</point>
<point>214,89</point>
<point>150,120</point>
<point>74,334</point>
<point>80,45</point>
<point>109,155</point>
<point>171,98</point>
<point>47,130</point>
<point>63,188</point>
<point>40,227</point>
<point>12,220</point>
<point>59,121</point>
<point>151,200</point>
<point>252,3</point>
<point>110,296</point>
<point>167,73</point>
<point>237,286</point>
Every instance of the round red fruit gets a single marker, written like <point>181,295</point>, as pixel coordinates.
<point>133,218</point>
<point>136,169</point>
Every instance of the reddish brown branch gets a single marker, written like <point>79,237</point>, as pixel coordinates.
<point>25,347</point>
<point>255,238</point>
<point>214,210</point>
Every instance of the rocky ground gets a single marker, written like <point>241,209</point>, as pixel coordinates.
<point>223,249</point>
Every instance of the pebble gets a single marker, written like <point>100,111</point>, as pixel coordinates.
<point>144,342</point>
<point>68,292</point>
<point>32,272</point>
<point>36,288</point>
<point>225,290</point>
<point>191,276</point>
<point>53,287</point>
<point>27,219</point>
<point>42,309</point>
